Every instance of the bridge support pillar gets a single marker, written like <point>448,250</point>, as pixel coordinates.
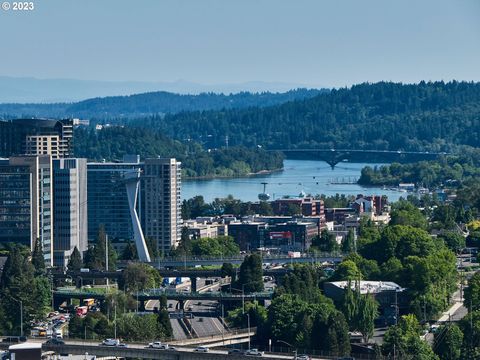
<point>59,301</point>
<point>141,305</point>
<point>193,282</point>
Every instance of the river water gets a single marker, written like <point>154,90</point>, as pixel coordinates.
<point>310,176</point>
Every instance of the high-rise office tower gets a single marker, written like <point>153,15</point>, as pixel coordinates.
<point>70,208</point>
<point>162,179</point>
<point>26,202</point>
<point>107,198</point>
<point>36,137</point>
<point>135,200</point>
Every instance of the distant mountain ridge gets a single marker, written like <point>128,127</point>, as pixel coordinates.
<point>152,103</point>
<point>33,90</point>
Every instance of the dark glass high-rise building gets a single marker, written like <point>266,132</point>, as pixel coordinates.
<point>135,200</point>
<point>36,137</point>
<point>108,201</point>
<point>26,202</point>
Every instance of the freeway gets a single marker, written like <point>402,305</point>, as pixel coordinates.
<point>190,262</point>
<point>141,351</point>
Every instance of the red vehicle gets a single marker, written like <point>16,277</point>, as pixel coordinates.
<point>81,310</point>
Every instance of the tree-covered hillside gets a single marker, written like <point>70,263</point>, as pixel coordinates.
<point>111,143</point>
<point>161,102</point>
<point>426,116</point>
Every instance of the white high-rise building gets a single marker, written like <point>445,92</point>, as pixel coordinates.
<point>162,178</point>
<point>70,208</point>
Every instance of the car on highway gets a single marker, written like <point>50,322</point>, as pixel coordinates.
<point>113,342</point>
<point>235,352</point>
<point>158,345</point>
<point>303,357</point>
<point>253,352</point>
<point>201,349</point>
<point>55,341</point>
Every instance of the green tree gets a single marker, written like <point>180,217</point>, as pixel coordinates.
<point>453,240</point>
<point>348,243</point>
<point>403,341</point>
<point>185,246</point>
<point>75,263</point>
<point>405,213</point>
<point>163,302</point>
<point>448,342</point>
<point>129,252</point>
<point>19,282</point>
<point>228,270</point>
<point>138,276</point>
<point>152,247</point>
<point>472,293</point>
<point>238,318</point>
<point>347,270</point>
<point>325,242</point>
<point>95,258</point>
<point>38,259</point>
<point>360,311</point>
<point>250,277</point>
<point>163,324</point>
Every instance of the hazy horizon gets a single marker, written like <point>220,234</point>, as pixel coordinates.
<point>212,42</point>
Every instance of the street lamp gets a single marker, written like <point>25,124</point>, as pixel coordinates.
<point>286,343</point>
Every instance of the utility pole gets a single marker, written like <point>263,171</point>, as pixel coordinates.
<point>223,327</point>
<point>248,323</point>
<point>115,319</point>
<point>106,256</point>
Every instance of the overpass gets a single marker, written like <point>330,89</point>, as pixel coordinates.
<point>193,274</point>
<point>207,261</point>
<point>61,295</point>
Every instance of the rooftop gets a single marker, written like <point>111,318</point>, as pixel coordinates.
<point>25,345</point>
<point>370,287</point>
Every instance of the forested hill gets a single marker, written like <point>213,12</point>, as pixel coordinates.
<point>160,102</point>
<point>426,116</point>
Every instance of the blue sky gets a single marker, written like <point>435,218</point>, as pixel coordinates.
<point>312,42</point>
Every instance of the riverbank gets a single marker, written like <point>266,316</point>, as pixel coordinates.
<point>248,175</point>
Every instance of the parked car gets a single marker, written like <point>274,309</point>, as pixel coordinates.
<point>201,349</point>
<point>253,352</point>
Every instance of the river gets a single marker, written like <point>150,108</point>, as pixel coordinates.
<point>309,176</point>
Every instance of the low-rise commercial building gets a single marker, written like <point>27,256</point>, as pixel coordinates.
<point>390,296</point>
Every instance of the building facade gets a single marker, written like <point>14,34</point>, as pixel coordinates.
<point>70,208</point>
<point>136,200</point>
<point>26,207</point>
<point>107,198</point>
<point>162,178</point>
<point>36,137</point>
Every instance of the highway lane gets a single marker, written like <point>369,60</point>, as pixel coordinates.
<point>80,347</point>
